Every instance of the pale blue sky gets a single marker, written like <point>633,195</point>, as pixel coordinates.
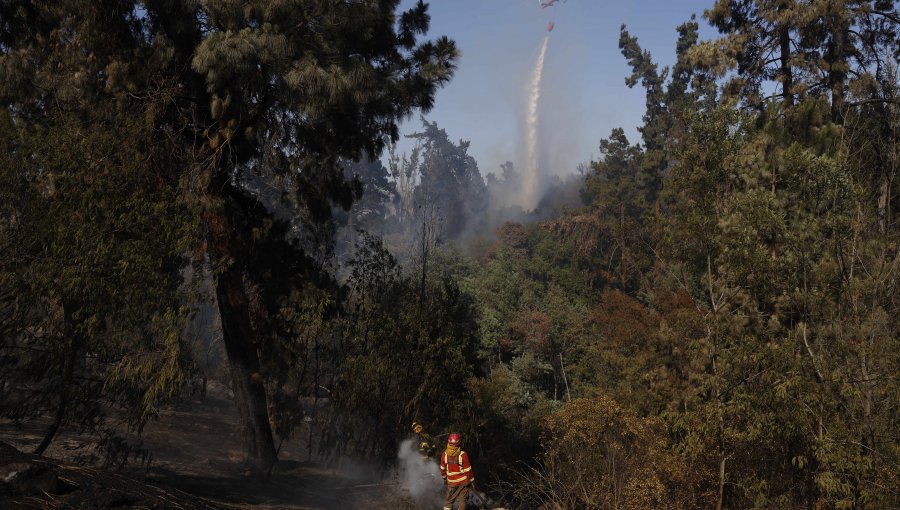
<point>584,94</point>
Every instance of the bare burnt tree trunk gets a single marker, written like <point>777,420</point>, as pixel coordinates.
<point>427,241</point>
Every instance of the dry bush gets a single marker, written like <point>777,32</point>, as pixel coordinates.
<point>599,455</point>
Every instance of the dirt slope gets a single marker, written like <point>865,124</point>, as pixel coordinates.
<point>194,456</point>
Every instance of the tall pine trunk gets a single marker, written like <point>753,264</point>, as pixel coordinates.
<point>66,381</point>
<point>837,61</point>
<point>786,72</point>
<point>176,19</point>
<point>241,347</point>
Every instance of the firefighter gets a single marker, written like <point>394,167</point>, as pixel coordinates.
<point>457,472</point>
<point>426,445</point>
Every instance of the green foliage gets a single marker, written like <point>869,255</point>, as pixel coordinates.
<point>767,262</point>
<point>95,233</point>
<point>746,308</point>
<point>612,233</point>
<point>812,49</point>
<point>246,111</point>
<point>364,360</point>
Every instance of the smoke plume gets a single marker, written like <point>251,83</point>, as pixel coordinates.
<point>419,475</point>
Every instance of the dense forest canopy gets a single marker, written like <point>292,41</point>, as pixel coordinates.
<point>704,317</point>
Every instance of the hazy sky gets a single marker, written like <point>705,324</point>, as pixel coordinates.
<point>583,95</point>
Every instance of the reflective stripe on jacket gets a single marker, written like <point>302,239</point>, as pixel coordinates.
<point>456,470</point>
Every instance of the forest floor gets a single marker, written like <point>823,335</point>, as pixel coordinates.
<point>194,463</point>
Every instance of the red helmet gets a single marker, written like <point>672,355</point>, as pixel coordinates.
<point>453,439</point>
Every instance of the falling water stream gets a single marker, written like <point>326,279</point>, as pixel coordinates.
<point>530,181</point>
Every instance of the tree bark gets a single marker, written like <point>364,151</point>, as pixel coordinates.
<point>68,370</point>
<point>54,428</point>
<point>241,347</point>
<point>60,414</point>
<point>884,200</point>
<point>178,20</point>
<point>721,497</point>
<point>565,379</point>
<point>787,75</point>
<point>837,61</point>
<point>623,269</point>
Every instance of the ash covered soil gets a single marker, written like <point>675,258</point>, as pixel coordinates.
<point>194,456</point>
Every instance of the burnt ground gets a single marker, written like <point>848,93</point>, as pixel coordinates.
<point>192,462</point>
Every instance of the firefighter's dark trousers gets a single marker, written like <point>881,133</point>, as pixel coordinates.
<point>459,493</point>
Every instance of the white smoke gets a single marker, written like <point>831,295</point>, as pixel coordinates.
<point>529,196</point>
<point>419,475</point>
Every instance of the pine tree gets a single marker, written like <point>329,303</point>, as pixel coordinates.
<point>263,91</point>
<point>819,48</point>
<point>760,41</point>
